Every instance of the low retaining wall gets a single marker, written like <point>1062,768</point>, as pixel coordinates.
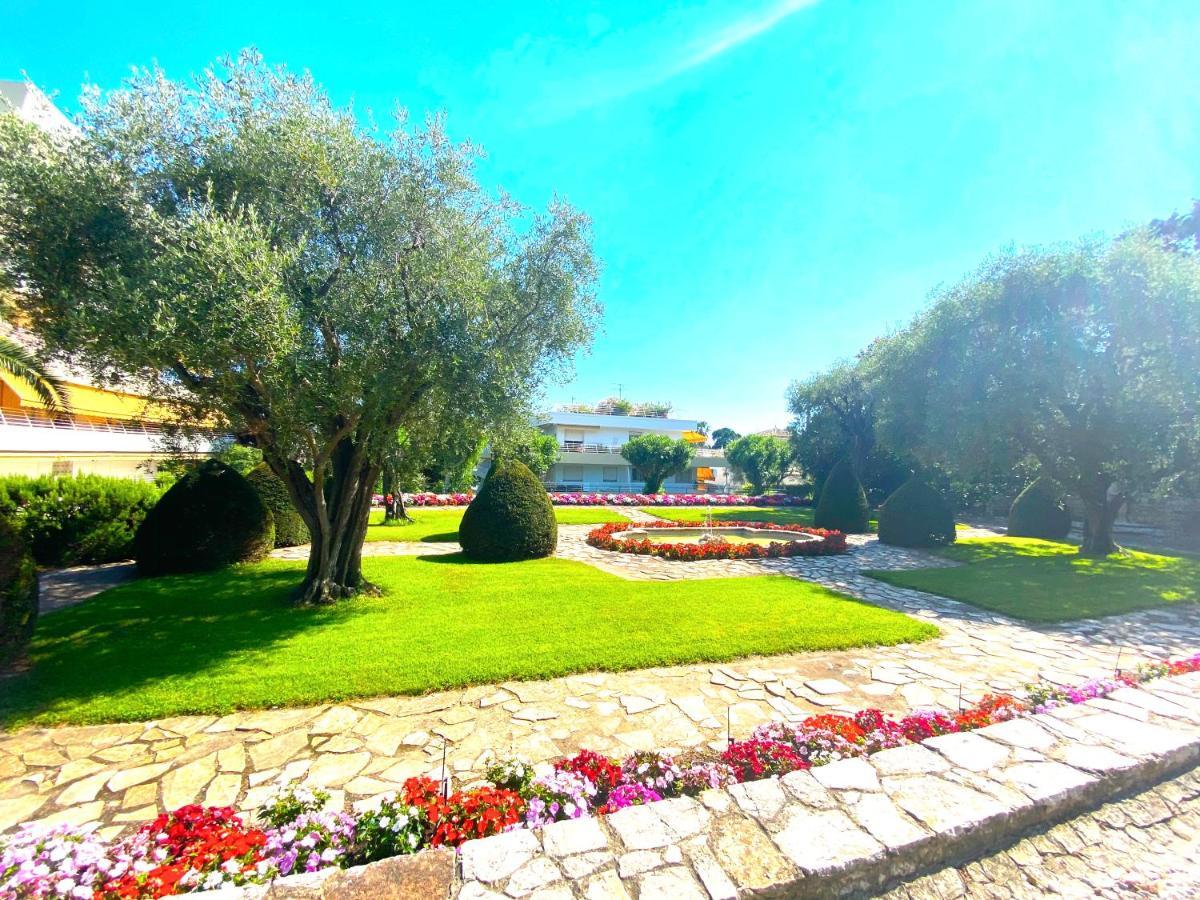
<point>851,827</point>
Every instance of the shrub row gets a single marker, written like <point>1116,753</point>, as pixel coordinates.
<point>85,519</point>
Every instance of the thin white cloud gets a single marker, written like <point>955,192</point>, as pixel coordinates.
<point>741,31</point>
<point>604,76</point>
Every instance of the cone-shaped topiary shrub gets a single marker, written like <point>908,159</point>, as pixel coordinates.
<point>1039,513</point>
<point>916,515</point>
<point>290,530</point>
<point>18,593</point>
<point>510,518</point>
<point>843,505</point>
<point>211,517</point>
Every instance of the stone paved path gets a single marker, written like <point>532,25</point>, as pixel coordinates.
<point>1144,846</point>
<point>60,588</point>
<point>122,774</point>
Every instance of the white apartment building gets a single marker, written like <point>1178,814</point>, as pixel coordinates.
<point>589,454</point>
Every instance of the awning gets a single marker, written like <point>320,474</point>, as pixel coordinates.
<point>85,400</point>
<point>694,437</point>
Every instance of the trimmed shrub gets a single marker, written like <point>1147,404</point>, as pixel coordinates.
<point>916,515</point>
<point>77,520</point>
<point>843,505</point>
<point>510,518</point>
<point>18,593</point>
<point>290,530</point>
<point>1038,512</point>
<point>211,517</point>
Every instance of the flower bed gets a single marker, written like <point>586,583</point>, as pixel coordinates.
<point>608,537</point>
<point>579,499</point>
<point>197,848</point>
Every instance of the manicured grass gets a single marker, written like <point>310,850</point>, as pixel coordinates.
<point>215,642</point>
<point>779,515</point>
<point>1045,581</point>
<point>441,523</point>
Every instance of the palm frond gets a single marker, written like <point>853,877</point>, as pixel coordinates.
<point>21,364</point>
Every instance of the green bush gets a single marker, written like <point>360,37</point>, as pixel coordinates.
<point>290,530</point>
<point>85,519</point>
<point>1038,512</point>
<point>843,505</point>
<point>916,515</point>
<point>18,593</point>
<point>210,518</point>
<point>510,518</point>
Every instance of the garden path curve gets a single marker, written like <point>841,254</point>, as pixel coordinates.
<point>122,774</point>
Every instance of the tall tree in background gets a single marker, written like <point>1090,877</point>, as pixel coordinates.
<point>527,444</point>
<point>763,460</point>
<point>259,258</point>
<point>723,437</point>
<point>1087,358</point>
<point>841,396</point>
<point>656,456</point>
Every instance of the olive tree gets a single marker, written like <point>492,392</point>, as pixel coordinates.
<point>264,262</point>
<point>762,459</point>
<point>1086,358</point>
<point>656,456</point>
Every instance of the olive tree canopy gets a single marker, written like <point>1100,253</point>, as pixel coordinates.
<point>265,262</point>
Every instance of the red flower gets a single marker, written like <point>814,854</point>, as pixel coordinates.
<point>753,759</point>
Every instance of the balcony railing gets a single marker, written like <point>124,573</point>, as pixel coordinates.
<point>70,423</point>
<point>585,447</point>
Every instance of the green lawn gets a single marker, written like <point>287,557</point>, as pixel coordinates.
<point>215,642</point>
<point>779,515</point>
<point>1045,581</point>
<point>441,523</point>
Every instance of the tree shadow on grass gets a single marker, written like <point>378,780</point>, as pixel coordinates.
<point>155,629</point>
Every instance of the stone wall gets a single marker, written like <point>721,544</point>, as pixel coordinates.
<point>852,827</point>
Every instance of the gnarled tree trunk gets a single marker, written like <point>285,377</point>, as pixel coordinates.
<point>1100,511</point>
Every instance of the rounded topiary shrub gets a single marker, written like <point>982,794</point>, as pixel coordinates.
<point>211,517</point>
<point>18,593</point>
<point>843,505</point>
<point>290,530</point>
<point>1038,512</point>
<point>510,518</point>
<point>916,515</point>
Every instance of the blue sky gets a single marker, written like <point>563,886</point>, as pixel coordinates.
<point>772,183</point>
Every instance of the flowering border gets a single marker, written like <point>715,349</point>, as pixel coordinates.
<point>599,499</point>
<point>198,848</point>
<point>607,537</point>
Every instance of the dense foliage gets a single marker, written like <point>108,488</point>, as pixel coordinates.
<point>656,456</point>
<point>261,258</point>
<point>842,505</point>
<point>536,449</point>
<point>18,593</point>
<point>1039,512</point>
<point>290,530</point>
<point>762,459</point>
<point>916,515</point>
<point>76,520</point>
<point>211,517</point>
<point>1084,358</point>
<point>510,518</point>
<point>723,437</point>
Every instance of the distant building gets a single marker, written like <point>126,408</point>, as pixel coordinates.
<point>589,450</point>
<point>109,431</point>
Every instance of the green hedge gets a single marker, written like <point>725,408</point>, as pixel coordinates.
<point>843,505</point>
<point>510,518</point>
<point>1038,512</point>
<point>18,593</point>
<point>290,530</point>
<point>77,520</point>
<point>916,515</point>
<point>211,517</point>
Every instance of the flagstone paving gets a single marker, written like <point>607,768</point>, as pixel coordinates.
<point>122,774</point>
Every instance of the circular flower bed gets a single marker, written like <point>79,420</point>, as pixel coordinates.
<point>608,537</point>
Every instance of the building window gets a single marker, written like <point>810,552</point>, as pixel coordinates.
<point>611,473</point>
<point>572,473</point>
<point>61,467</point>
